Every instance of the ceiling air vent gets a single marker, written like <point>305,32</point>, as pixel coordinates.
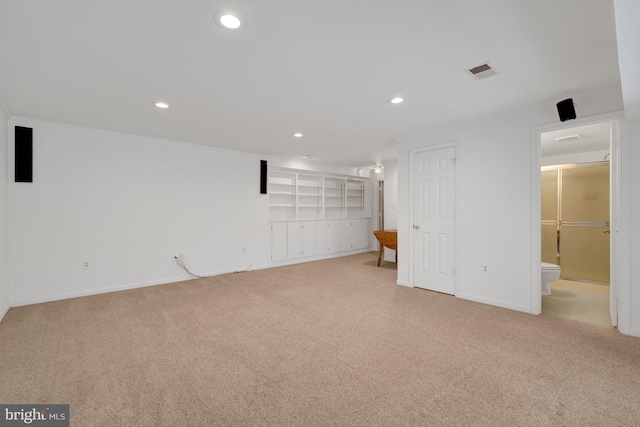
<point>482,71</point>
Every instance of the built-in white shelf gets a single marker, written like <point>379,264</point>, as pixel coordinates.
<point>308,196</point>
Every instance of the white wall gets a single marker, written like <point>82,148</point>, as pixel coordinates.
<point>4,234</point>
<point>632,308</point>
<point>127,204</point>
<point>494,194</point>
<point>390,202</point>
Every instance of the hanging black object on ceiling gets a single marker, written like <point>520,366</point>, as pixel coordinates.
<point>566,110</point>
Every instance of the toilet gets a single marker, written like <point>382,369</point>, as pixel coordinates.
<point>550,273</point>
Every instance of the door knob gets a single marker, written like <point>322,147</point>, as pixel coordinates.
<point>606,231</point>
<point>417,226</point>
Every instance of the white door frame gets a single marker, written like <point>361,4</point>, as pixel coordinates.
<point>412,154</point>
<point>536,244</point>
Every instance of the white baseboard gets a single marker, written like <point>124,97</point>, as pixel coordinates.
<point>4,311</point>
<point>403,283</point>
<point>496,303</point>
<point>634,332</point>
<point>316,258</point>
<point>125,287</point>
<point>99,291</point>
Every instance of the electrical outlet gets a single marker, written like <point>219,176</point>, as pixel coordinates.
<point>85,265</point>
<point>484,269</point>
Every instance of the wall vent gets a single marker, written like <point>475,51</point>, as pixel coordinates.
<point>482,71</point>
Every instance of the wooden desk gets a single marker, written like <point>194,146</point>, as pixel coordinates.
<point>387,239</point>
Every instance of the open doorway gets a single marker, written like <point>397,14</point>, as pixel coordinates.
<point>578,200</point>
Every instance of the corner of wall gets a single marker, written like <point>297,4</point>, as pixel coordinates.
<point>5,303</point>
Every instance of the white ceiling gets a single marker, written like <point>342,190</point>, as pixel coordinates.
<point>324,68</point>
<point>594,137</point>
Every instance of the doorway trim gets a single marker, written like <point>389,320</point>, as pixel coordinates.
<point>617,280</point>
<point>410,255</point>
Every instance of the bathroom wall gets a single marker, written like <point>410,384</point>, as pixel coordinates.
<point>583,197</point>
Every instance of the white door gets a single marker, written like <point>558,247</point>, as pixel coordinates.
<point>434,219</point>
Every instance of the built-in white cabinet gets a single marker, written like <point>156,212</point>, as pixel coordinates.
<point>315,215</point>
<point>293,240</point>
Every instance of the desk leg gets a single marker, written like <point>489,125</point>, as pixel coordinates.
<point>396,256</point>
<point>380,255</point>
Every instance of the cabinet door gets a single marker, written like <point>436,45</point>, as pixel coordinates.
<point>322,237</point>
<point>294,240</point>
<point>360,233</point>
<point>309,238</point>
<point>334,236</point>
<point>345,236</point>
<point>278,241</point>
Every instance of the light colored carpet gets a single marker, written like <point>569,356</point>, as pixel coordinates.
<point>581,302</point>
<point>327,343</point>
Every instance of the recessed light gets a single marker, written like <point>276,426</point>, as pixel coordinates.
<point>568,138</point>
<point>395,100</point>
<point>227,19</point>
<point>297,135</point>
<point>162,104</point>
